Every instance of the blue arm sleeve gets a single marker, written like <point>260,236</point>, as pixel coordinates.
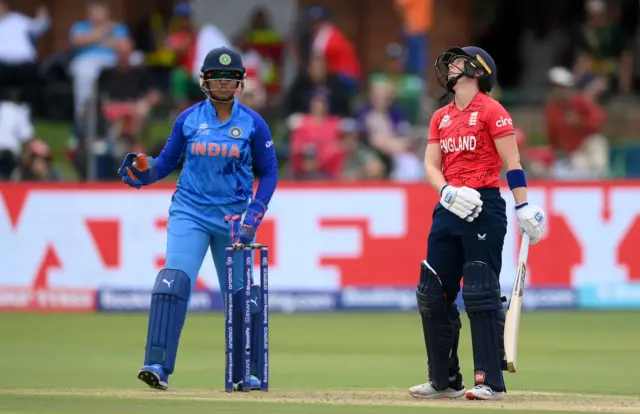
<point>173,150</point>
<point>264,160</point>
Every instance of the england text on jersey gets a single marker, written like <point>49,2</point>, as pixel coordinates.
<point>466,138</point>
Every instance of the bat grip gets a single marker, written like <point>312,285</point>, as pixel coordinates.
<point>524,249</point>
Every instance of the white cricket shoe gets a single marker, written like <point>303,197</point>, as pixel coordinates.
<point>484,392</point>
<point>427,391</point>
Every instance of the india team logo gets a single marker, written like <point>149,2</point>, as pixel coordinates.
<point>446,121</point>
<point>235,132</point>
<point>225,59</point>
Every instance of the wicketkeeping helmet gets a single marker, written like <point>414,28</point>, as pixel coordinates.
<point>478,64</point>
<point>220,66</point>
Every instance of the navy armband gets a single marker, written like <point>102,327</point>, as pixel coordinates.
<point>516,178</point>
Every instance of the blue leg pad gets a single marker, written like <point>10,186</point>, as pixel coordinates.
<point>440,331</point>
<point>238,355</point>
<point>483,302</point>
<point>166,317</point>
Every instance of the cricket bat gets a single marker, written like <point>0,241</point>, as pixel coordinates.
<point>512,323</point>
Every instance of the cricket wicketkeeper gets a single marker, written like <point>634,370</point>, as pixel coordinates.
<point>221,142</point>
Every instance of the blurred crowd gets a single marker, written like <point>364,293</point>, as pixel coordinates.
<point>330,119</point>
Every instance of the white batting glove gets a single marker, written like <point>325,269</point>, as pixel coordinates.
<point>531,220</point>
<point>464,202</point>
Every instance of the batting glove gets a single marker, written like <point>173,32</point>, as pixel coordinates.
<point>464,202</point>
<point>531,220</point>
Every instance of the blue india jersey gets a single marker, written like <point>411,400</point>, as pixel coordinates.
<point>219,158</point>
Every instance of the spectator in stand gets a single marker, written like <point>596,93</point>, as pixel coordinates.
<point>15,130</point>
<point>315,79</point>
<point>417,20</point>
<point>335,48</point>
<point>94,42</point>
<point>256,67</point>
<point>574,124</point>
<point>18,54</point>
<point>310,168</point>
<point>37,163</point>
<point>265,40</point>
<point>322,130</point>
<point>191,46</point>
<point>182,42</point>
<point>127,95</point>
<point>209,37</point>
<point>388,131</point>
<point>409,88</point>
<point>359,162</point>
<point>150,38</point>
<point>604,51</point>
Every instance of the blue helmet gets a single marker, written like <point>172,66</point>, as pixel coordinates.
<point>222,64</point>
<point>478,64</point>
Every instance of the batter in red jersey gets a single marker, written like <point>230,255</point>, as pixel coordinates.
<point>470,140</point>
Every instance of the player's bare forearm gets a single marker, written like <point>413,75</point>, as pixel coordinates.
<point>508,149</point>
<point>433,167</point>
<point>519,195</point>
<point>435,178</point>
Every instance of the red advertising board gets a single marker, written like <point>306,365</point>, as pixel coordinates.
<point>322,236</point>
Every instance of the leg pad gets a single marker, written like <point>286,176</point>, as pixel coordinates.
<point>438,326</point>
<point>483,302</point>
<point>169,300</point>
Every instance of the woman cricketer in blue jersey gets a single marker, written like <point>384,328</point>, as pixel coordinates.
<point>221,142</point>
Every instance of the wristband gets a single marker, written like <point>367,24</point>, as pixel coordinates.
<point>516,179</point>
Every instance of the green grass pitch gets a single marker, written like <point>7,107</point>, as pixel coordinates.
<point>348,363</point>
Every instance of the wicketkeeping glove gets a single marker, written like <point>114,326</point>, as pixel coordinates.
<point>464,202</point>
<point>531,220</point>
<point>246,232</point>
<point>136,170</point>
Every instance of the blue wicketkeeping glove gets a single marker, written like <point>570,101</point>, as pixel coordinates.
<point>136,170</point>
<point>246,232</point>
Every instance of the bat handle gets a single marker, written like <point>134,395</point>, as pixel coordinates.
<point>524,248</point>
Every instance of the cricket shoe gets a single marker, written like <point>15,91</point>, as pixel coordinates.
<point>154,376</point>
<point>456,389</point>
<point>484,392</point>
<point>255,384</point>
